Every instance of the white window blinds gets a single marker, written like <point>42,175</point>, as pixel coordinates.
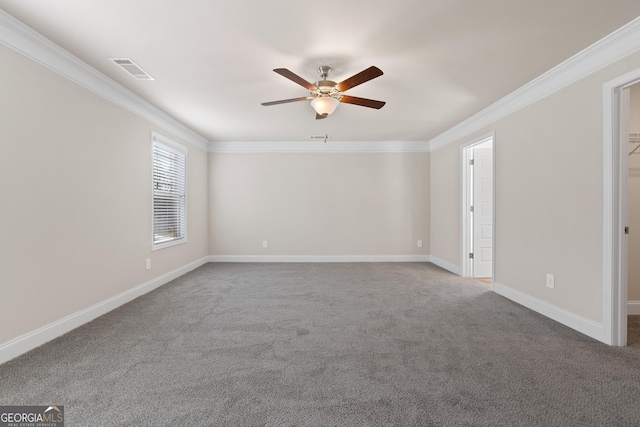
<point>169,195</point>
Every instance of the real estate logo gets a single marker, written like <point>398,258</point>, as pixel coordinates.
<point>32,416</point>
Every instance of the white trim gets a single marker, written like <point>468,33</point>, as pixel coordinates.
<point>22,39</point>
<point>613,296</point>
<point>633,308</point>
<point>319,258</point>
<point>33,339</point>
<point>465,206</point>
<point>445,264</point>
<point>608,258</point>
<point>170,243</point>
<point>581,324</point>
<point>313,146</point>
<point>620,43</point>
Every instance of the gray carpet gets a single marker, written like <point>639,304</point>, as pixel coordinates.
<point>327,344</point>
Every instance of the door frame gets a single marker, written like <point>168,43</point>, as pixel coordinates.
<point>465,191</point>
<point>615,208</point>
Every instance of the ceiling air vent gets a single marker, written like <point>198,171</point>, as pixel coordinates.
<point>132,68</point>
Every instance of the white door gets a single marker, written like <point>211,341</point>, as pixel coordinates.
<point>483,210</point>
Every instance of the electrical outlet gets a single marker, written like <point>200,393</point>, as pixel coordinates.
<point>265,244</point>
<point>419,243</point>
<point>148,264</point>
<point>551,281</point>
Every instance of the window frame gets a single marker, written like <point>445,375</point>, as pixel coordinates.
<point>169,145</point>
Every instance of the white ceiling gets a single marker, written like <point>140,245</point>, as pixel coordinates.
<point>443,60</point>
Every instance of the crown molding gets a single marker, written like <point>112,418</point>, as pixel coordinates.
<point>318,147</point>
<point>620,43</point>
<point>31,44</point>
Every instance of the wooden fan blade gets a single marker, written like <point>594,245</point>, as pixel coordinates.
<point>295,78</point>
<point>320,116</point>
<point>284,101</point>
<point>371,103</point>
<point>363,76</point>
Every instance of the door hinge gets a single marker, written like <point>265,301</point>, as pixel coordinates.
<point>471,209</point>
<point>471,162</point>
<point>471,255</point>
<point>626,230</point>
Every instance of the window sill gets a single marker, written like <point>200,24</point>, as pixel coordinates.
<point>155,247</point>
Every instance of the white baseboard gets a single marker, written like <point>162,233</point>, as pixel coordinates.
<point>31,340</point>
<point>319,258</point>
<point>588,327</point>
<point>633,308</point>
<point>446,265</point>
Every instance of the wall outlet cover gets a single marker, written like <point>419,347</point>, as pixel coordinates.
<point>551,281</point>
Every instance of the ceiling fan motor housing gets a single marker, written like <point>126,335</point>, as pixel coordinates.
<point>326,88</point>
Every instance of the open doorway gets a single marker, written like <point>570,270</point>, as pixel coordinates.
<point>633,194</point>
<point>478,208</point>
<point>617,155</point>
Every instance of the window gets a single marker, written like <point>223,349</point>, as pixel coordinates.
<point>169,192</point>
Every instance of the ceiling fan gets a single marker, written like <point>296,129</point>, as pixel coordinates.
<point>325,95</point>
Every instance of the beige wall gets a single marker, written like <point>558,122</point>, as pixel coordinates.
<point>634,200</point>
<point>445,204</point>
<point>319,204</point>
<point>548,196</point>
<point>76,199</point>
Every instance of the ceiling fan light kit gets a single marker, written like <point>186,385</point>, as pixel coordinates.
<point>324,105</point>
<point>325,95</point>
